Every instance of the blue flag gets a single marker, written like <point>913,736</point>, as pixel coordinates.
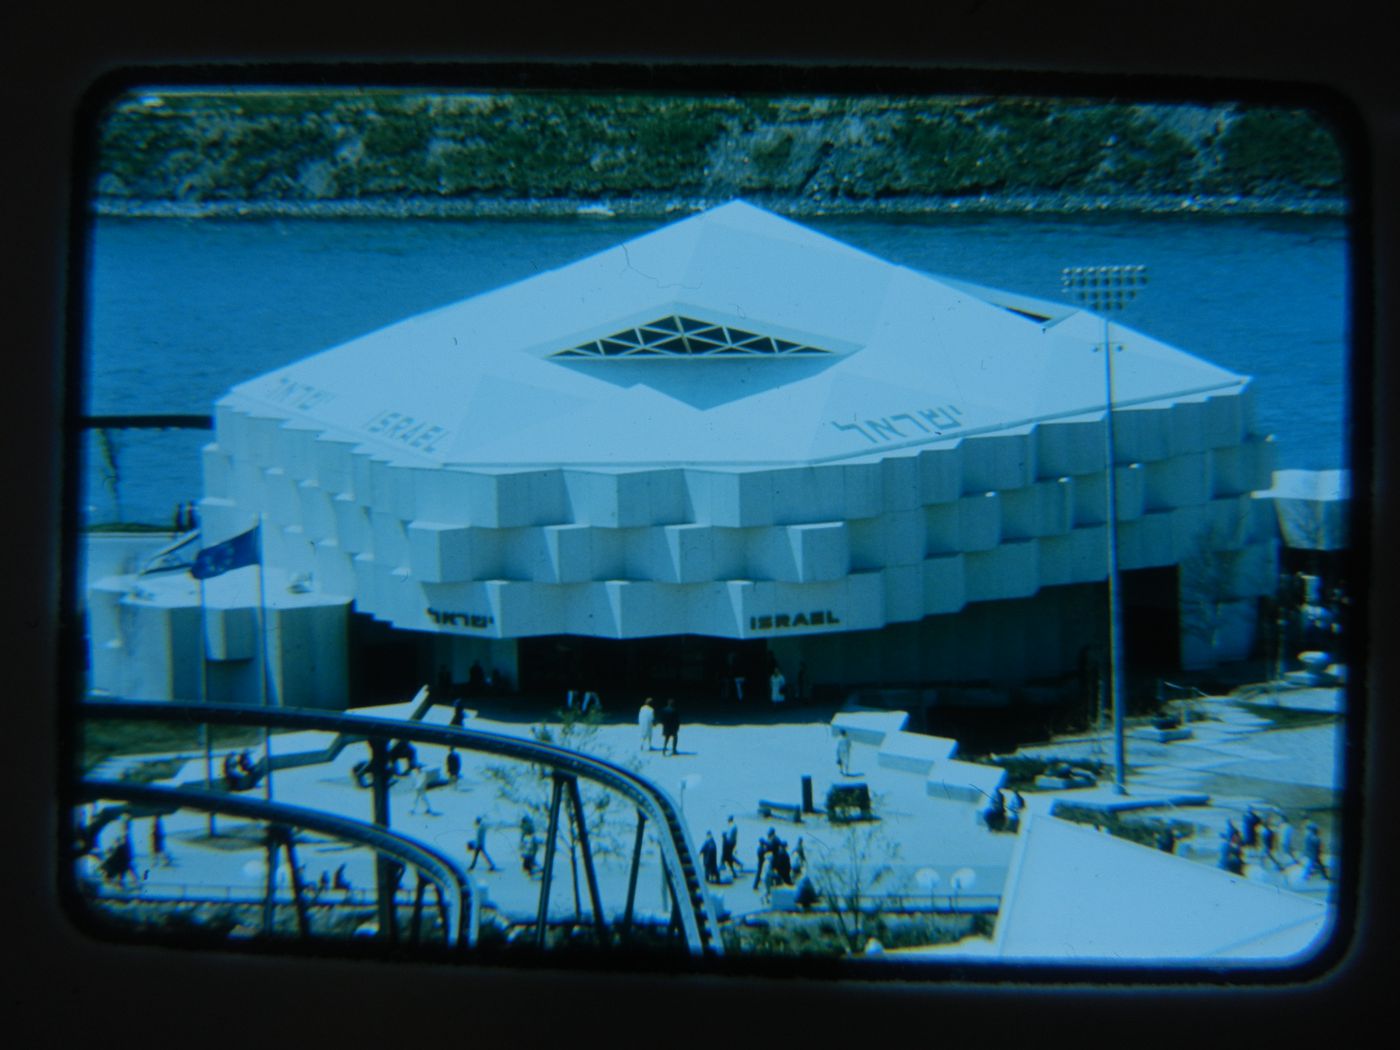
<point>227,556</point>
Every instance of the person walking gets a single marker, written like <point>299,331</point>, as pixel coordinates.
<point>763,862</point>
<point>1014,808</point>
<point>799,858</point>
<point>118,864</point>
<point>160,856</point>
<point>1231,850</point>
<point>1312,852</point>
<point>670,728</point>
<point>646,721</point>
<point>708,853</point>
<point>477,846</point>
<point>995,814</point>
<point>782,864</point>
<point>771,877</point>
<point>843,752</point>
<point>452,766</point>
<point>777,686</point>
<point>729,841</point>
<point>1267,838</point>
<point>1285,842</point>
<point>529,851</point>
<point>1249,824</point>
<point>419,774</point>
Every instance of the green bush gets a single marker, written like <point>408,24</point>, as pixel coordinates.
<point>295,145</point>
<point>1269,150</point>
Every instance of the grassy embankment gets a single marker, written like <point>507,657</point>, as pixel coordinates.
<point>396,152</point>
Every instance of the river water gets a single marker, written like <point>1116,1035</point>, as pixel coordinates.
<point>178,311</point>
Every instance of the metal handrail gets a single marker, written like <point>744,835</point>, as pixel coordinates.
<point>453,884</point>
<point>699,926</point>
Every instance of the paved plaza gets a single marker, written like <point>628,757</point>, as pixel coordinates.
<point>725,766</point>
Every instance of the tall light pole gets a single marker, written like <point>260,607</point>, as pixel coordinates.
<point>1104,289</point>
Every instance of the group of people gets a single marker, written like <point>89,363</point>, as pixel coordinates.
<point>776,865</point>
<point>780,690</point>
<point>648,718</point>
<point>117,864</point>
<point>1271,841</point>
<point>240,772</point>
<point>480,682</point>
<point>1003,814</point>
<point>583,701</point>
<point>186,518</point>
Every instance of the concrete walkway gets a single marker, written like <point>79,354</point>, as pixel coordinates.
<point>1235,759</point>
<point>721,770</point>
<point>725,767</point>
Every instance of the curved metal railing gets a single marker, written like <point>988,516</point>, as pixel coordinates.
<point>455,891</point>
<point>700,929</point>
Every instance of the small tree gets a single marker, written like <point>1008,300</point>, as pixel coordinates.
<point>532,793</point>
<point>1206,576</point>
<point>856,861</point>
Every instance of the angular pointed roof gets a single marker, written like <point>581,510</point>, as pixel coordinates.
<point>731,338</point>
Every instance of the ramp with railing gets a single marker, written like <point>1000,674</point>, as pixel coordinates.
<point>691,913</point>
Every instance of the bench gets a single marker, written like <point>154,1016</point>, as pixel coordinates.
<point>787,810</point>
<point>848,802</point>
<point>1076,778</point>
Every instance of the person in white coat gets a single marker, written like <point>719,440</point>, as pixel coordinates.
<point>843,752</point>
<point>646,721</point>
<point>420,790</point>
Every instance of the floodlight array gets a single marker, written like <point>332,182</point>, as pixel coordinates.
<point>1104,287</point>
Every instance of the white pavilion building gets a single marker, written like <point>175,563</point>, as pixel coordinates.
<point>728,441</point>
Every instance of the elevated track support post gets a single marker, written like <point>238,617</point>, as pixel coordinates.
<point>581,832</point>
<point>551,837</point>
<point>288,838</point>
<point>270,899</point>
<point>415,929</point>
<point>384,883</point>
<point>632,872</point>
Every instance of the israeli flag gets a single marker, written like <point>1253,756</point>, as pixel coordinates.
<point>225,557</point>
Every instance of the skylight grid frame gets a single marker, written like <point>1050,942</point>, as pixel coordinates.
<point>677,336</point>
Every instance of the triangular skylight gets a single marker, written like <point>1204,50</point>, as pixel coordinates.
<point>676,336</point>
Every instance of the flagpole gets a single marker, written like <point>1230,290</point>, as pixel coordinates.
<point>262,632</point>
<point>269,912</point>
<point>204,699</point>
<point>236,553</point>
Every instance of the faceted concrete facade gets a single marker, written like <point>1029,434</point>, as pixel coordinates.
<point>756,553</point>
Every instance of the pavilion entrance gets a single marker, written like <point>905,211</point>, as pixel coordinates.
<point>690,667</point>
